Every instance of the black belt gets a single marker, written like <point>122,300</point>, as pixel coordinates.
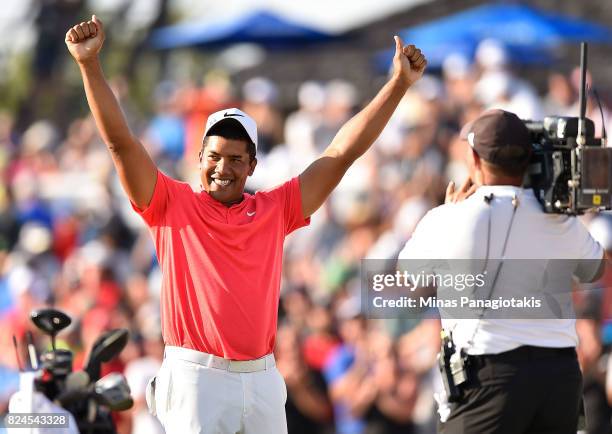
<point>522,354</point>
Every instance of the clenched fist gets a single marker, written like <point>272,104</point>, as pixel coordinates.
<point>408,62</point>
<point>85,40</point>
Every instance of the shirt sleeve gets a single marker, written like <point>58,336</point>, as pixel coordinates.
<point>590,254</point>
<point>154,214</point>
<point>421,254</point>
<point>421,243</point>
<point>290,196</point>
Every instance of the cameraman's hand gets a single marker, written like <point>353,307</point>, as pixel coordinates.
<point>408,62</point>
<point>466,190</point>
<point>85,40</point>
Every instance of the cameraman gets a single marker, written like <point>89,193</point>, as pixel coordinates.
<point>522,374</point>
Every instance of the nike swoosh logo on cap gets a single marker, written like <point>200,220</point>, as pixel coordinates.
<point>225,115</point>
<point>251,214</point>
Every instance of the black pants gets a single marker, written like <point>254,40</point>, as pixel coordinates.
<point>529,390</point>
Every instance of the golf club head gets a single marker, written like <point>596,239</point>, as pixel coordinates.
<point>76,388</point>
<point>113,391</point>
<point>50,321</point>
<point>107,346</point>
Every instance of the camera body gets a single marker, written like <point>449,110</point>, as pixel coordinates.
<point>569,177</point>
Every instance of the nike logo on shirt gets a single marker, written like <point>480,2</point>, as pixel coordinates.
<point>251,214</point>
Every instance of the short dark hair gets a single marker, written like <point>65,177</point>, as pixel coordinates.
<point>514,162</point>
<point>231,129</point>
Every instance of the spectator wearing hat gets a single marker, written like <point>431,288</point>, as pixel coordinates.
<point>522,373</point>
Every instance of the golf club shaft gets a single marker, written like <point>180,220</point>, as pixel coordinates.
<point>17,354</point>
<point>32,351</point>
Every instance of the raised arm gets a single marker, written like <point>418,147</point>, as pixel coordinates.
<point>137,171</point>
<point>358,134</point>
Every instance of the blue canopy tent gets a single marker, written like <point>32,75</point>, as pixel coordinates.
<point>530,35</point>
<point>260,27</point>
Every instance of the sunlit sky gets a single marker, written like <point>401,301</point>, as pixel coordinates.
<point>331,15</point>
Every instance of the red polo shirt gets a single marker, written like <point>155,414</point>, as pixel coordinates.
<point>221,266</point>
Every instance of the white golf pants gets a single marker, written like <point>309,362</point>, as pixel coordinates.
<point>190,397</point>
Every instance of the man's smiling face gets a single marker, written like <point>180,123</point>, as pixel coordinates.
<point>225,167</point>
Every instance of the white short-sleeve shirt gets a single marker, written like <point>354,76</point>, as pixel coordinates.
<point>459,231</point>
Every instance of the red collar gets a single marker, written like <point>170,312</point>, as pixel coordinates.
<point>206,197</point>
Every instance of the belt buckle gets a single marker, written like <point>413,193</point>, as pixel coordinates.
<point>247,366</point>
<point>239,366</point>
<point>219,363</point>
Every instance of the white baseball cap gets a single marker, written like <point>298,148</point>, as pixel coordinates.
<point>245,120</point>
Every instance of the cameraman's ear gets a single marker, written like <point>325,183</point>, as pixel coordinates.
<point>475,159</point>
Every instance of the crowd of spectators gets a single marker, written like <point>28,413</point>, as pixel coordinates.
<point>69,238</point>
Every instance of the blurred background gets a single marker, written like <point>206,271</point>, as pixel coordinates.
<point>69,239</point>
